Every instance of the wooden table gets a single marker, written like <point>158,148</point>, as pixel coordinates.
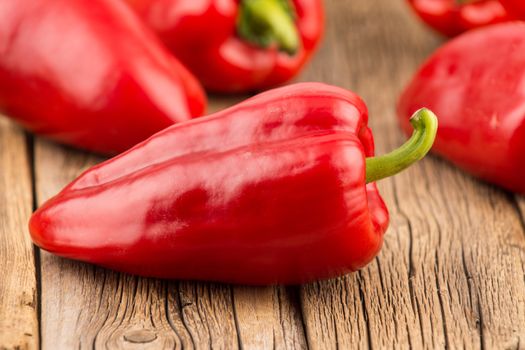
<point>451,272</point>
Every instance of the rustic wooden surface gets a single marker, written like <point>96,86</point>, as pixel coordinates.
<point>451,273</point>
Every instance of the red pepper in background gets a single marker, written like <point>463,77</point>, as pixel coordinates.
<point>453,17</point>
<point>476,85</point>
<point>517,7</point>
<point>273,190</point>
<point>89,74</point>
<point>237,45</point>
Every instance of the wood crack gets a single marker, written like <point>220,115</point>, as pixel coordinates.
<point>120,286</point>
<point>302,316</point>
<point>365,312</point>
<point>380,271</point>
<point>167,312</point>
<point>201,316</point>
<point>481,326</point>
<point>477,306</point>
<point>411,265</point>
<point>411,276</point>
<point>107,313</point>
<point>182,316</point>
<point>441,304</point>
<point>30,150</point>
<point>101,294</point>
<point>236,320</point>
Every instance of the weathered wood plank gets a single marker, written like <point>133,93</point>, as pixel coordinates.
<point>18,285</point>
<point>451,270</point>
<point>269,318</point>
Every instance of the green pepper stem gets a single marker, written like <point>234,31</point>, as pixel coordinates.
<point>425,126</point>
<point>267,22</point>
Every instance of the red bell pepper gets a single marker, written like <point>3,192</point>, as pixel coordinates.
<point>237,45</point>
<point>516,7</point>
<point>277,189</point>
<point>453,17</point>
<point>476,84</point>
<point>90,74</point>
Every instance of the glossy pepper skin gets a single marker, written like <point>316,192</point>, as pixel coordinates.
<point>516,7</point>
<point>271,190</point>
<point>90,74</point>
<point>481,103</point>
<point>204,35</point>
<point>278,189</point>
<point>453,17</point>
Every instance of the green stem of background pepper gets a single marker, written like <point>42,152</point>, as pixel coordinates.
<point>425,126</point>
<point>267,22</point>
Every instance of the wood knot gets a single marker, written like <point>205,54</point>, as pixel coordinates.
<point>140,336</point>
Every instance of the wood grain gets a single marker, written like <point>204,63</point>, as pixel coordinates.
<point>450,274</point>
<point>453,244</point>
<point>18,285</point>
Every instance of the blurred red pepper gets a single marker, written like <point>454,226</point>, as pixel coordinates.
<point>237,45</point>
<point>89,74</point>
<point>273,190</point>
<point>453,17</point>
<point>516,7</point>
<point>481,103</point>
